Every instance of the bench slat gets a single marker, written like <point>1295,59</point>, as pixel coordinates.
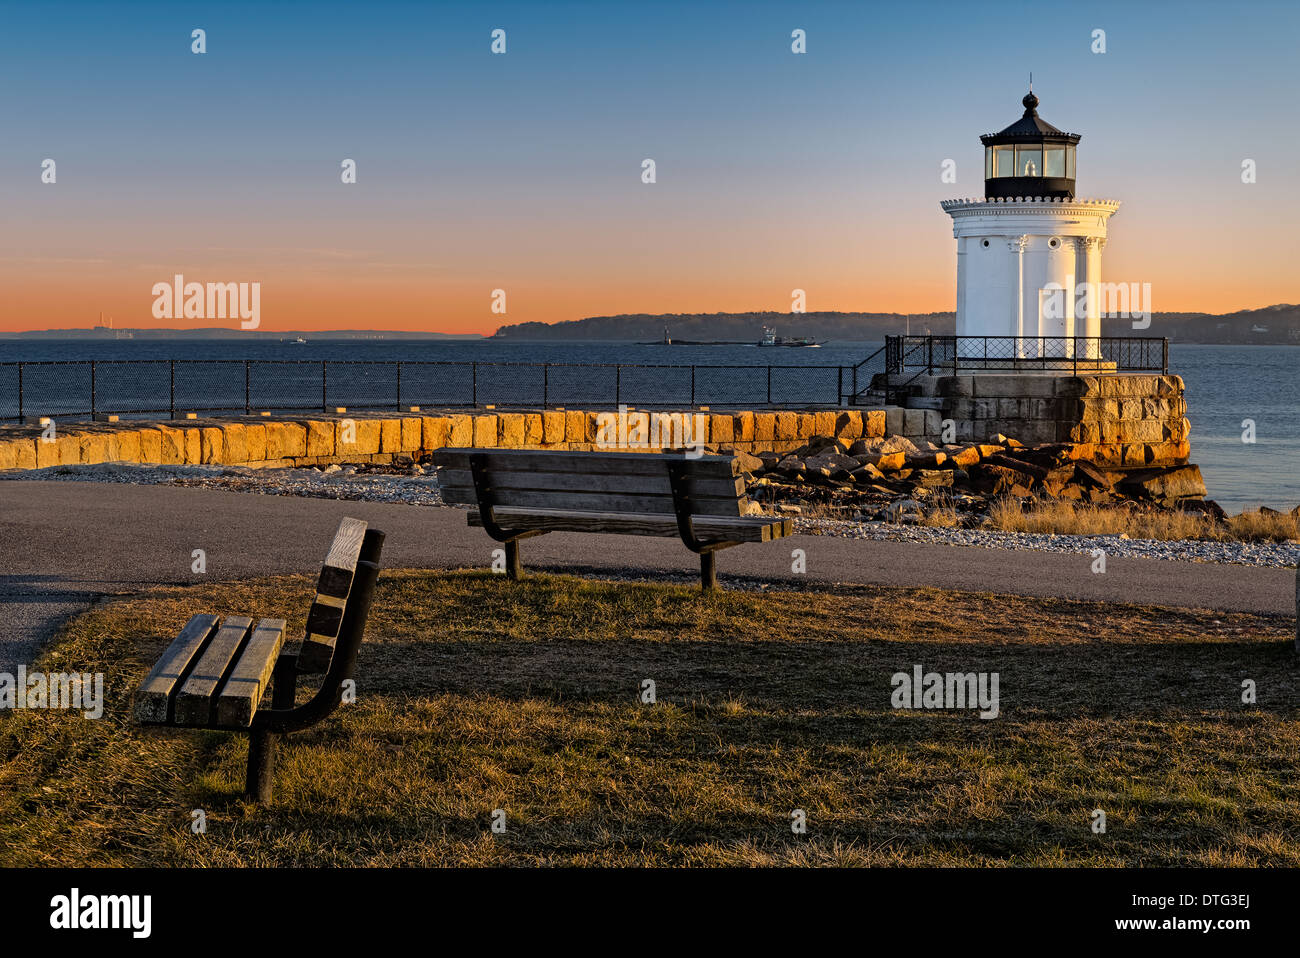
<point>153,701</point>
<point>591,463</point>
<point>326,613</point>
<point>594,502</point>
<point>243,690</point>
<point>656,484</point>
<point>708,528</point>
<point>341,562</point>
<point>194,701</point>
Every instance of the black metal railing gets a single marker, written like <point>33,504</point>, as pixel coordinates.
<point>89,388</point>
<point>908,358</point>
<point>1066,353</point>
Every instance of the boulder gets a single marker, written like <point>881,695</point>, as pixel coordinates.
<point>790,466</point>
<point>933,478</point>
<point>963,456</point>
<point>901,508</point>
<point>897,444</point>
<point>821,467</point>
<point>1168,483</point>
<point>998,479</point>
<point>1204,507</point>
<point>1057,480</point>
<point>864,446</point>
<point>750,464</point>
<point>1036,472</point>
<point>1090,475</point>
<point>867,474</point>
<point>884,461</point>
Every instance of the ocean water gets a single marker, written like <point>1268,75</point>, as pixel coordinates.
<point>1226,386</point>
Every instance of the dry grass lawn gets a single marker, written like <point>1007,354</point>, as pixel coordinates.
<point>477,694</point>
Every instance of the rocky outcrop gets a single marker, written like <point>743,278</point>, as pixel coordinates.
<point>830,469</point>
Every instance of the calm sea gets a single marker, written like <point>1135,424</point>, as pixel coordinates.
<point>1226,386</point>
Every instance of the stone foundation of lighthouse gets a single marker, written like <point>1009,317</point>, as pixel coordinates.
<point>1030,267</point>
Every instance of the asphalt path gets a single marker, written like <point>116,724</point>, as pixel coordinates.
<point>64,545</point>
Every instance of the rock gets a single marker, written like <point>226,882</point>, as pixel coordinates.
<point>1090,475</point>
<point>790,466</point>
<point>864,446</point>
<point>897,509</point>
<point>933,478</point>
<point>750,464</point>
<point>963,456</point>
<point>1204,507</point>
<point>1037,472</point>
<point>867,474</point>
<point>987,450</point>
<point>332,468</point>
<point>770,459</point>
<point>896,444</point>
<point>925,460</point>
<point>1008,441</point>
<point>1056,480</point>
<point>1171,482</point>
<point>830,465</point>
<point>999,479</point>
<point>789,509</point>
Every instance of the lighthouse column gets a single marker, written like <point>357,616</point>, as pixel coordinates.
<point>1088,270</point>
<point>960,325</point>
<point>1017,247</point>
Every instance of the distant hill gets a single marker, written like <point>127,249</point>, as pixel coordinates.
<point>223,332</point>
<point>1272,324</point>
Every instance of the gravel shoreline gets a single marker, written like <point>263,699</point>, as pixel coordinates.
<point>348,482</point>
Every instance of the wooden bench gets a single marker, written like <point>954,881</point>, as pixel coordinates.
<point>217,671</point>
<point>522,493</point>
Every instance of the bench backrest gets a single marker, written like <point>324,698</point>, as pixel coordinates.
<point>333,588</point>
<point>622,482</point>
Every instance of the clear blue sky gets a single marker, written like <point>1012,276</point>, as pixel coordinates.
<point>522,170</point>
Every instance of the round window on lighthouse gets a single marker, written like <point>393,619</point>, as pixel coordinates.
<point>1054,242</point>
<point>985,244</point>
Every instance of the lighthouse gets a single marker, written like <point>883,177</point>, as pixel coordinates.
<point>1029,251</point>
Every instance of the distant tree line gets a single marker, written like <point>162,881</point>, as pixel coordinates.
<point>1272,324</point>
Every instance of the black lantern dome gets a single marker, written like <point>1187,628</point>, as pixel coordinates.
<point>1029,158</point>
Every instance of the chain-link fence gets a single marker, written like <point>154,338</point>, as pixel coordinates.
<point>139,388</point>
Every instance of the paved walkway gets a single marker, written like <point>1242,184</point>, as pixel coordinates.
<point>64,544</point>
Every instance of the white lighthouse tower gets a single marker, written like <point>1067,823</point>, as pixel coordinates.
<point>1028,251</point>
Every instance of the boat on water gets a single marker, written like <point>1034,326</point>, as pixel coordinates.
<point>770,338</point>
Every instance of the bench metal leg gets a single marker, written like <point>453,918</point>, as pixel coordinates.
<point>261,765</point>
<point>262,743</point>
<point>708,571</point>
<point>514,568</point>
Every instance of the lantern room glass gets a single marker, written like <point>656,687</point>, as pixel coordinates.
<point>1004,162</point>
<point>1054,161</point>
<point>1029,160</point>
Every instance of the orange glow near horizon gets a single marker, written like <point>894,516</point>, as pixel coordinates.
<point>675,259</point>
